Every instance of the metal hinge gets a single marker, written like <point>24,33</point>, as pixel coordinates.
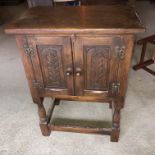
<point>29,50</point>
<point>115,88</point>
<point>120,52</point>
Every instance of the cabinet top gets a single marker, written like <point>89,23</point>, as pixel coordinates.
<point>103,19</point>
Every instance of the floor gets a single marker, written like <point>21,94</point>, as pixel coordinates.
<point>19,130</point>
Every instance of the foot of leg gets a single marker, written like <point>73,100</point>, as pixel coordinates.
<point>45,130</point>
<point>115,134</point>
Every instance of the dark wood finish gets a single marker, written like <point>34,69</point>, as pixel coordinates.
<point>35,3</point>
<point>83,20</point>
<point>143,64</point>
<point>115,121</point>
<point>93,57</point>
<point>53,55</point>
<point>85,58</point>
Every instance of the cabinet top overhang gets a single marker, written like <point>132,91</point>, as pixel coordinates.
<point>101,19</point>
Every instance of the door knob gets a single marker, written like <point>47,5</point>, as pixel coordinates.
<point>69,71</point>
<point>78,71</point>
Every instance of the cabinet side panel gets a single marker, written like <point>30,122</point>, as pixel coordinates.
<point>124,66</point>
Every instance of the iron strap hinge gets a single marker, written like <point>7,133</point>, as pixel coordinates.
<point>115,88</point>
<point>29,50</point>
<point>120,48</point>
<point>120,52</point>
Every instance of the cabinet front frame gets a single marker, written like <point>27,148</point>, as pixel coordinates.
<point>72,42</point>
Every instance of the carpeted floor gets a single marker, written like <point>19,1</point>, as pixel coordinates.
<point>19,130</point>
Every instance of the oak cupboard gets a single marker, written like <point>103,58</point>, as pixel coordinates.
<point>77,53</point>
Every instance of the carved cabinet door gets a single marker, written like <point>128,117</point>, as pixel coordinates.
<point>52,64</point>
<point>96,65</point>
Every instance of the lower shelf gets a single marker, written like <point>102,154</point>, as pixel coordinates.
<point>47,124</point>
<point>77,129</point>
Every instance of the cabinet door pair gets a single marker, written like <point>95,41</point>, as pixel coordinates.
<point>80,66</point>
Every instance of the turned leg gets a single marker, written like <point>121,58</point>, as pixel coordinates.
<point>46,117</point>
<point>110,104</point>
<point>43,120</point>
<point>57,102</point>
<point>115,125</point>
<point>122,104</point>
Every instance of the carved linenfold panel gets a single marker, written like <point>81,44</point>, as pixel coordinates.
<point>96,60</point>
<point>52,65</point>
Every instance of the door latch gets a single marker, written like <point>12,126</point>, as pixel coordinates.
<point>115,88</point>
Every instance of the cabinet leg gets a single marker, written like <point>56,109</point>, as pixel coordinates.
<point>115,125</point>
<point>122,105</point>
<point>43,120</point>
<point>120,102</point>
<point>57,102</point>
<point>110,105</point>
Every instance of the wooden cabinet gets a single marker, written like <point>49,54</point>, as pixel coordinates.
<point>75,65</point>
<point>85,57</point>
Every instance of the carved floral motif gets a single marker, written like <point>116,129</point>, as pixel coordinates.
<point>52,59</point>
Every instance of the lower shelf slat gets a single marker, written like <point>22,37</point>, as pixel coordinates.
<point>105,131</point>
